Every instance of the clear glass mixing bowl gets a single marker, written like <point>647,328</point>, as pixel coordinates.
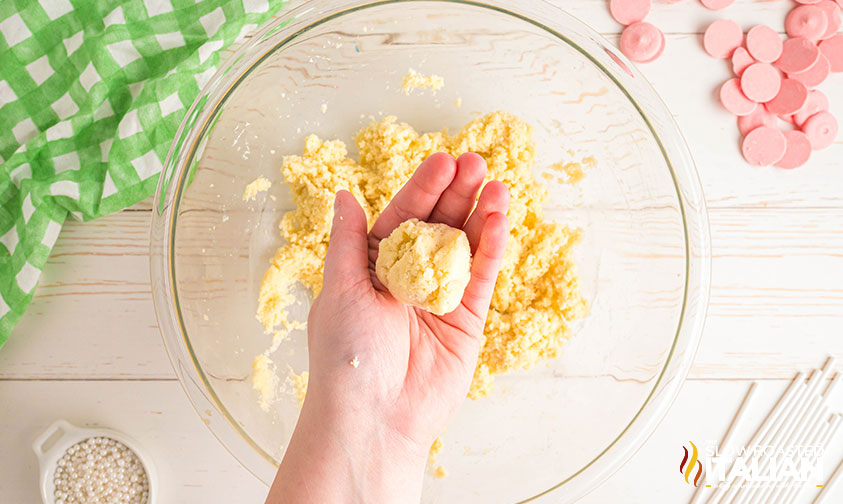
<point>553,432</point>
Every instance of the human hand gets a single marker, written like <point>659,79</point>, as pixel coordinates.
<point>364,432</point>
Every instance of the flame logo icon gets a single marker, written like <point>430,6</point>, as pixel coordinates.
<point>687,466</point>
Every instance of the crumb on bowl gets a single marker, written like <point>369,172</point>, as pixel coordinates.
<point>258,185</point>
<point>414,80</point>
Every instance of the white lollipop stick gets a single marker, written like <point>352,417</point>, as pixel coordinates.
<point>835,477</point>
<point>726,442</point>
<point>794,417</point>
<point>812,432</point>
<point>789,438</point>
<point>790,395</point>
<point>817,439</point>
<point>792,414</point>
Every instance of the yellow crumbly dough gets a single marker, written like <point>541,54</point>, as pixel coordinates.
<point>537,293</point>
<point>300,382</point>
<point>260,184</point>
<point>426,265</point>
<point>432,466</point>
<point>414,80</point>
<point>264,380</point>
<point>573,172</point>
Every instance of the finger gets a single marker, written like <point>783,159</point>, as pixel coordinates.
<point>346,262</point>
<point>485,265</point>
<point>493,199</point>
<point>459,198</point>
<point>419,195</point>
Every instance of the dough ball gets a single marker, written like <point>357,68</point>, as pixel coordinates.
<point>425,265</point>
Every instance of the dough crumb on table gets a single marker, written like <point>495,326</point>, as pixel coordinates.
<point>258,185</point>
<point>537,294</point>
<point>414,80</point>
<point>424,264</point>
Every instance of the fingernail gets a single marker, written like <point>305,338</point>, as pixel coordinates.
<point>337,203</point>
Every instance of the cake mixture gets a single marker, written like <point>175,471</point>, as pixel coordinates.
<point>537,293</point>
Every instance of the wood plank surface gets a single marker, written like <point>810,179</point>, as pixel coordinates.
<point>89,349</point>
<point>193,467</point>
<point>776,300</point>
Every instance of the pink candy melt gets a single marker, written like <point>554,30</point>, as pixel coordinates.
<point>764,146</point>
<point>717,4</point>
<point>775,80</point>
<point>734,100</point>
<point>791,98</point>
<point>832,15</point>
<point>815,75</point>
<point>722,37</point>
<point>806,21</point>
<point>741,60</point>
<point>798,55</point>
<point>832,49</point>
<point>760,117</point>
<point>761,82</point>
<point>817,102</point>
<point>627,12</point>
<point>642,42</point>
<point>797,151</point>
<point>821,129</point>
<point>764,44</point>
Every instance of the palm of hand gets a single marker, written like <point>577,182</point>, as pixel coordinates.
<point>415,368</point>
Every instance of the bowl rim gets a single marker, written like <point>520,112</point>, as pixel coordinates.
<point>286,27</point>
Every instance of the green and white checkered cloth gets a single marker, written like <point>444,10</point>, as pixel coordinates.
<point>91,95</point>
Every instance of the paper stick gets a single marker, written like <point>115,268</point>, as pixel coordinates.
<point>835,477</point>
<point>790,437</point>
<point>816,437</point>
<point>737,420</point>
<point>791,394</point>
<point>789,417</point>
<point>792,492</point>
<point>812,434</point>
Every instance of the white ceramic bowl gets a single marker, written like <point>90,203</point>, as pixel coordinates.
<point>61,435</point>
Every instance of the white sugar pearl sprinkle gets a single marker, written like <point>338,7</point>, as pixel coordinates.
<point>102,470</point>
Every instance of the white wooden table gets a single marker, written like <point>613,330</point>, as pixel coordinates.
<point>89,351</point>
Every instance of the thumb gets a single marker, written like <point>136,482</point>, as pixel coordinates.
<point>347,260</point>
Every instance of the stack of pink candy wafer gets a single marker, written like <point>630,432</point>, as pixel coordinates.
<point>776,80</point>
<point>640,41</point>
